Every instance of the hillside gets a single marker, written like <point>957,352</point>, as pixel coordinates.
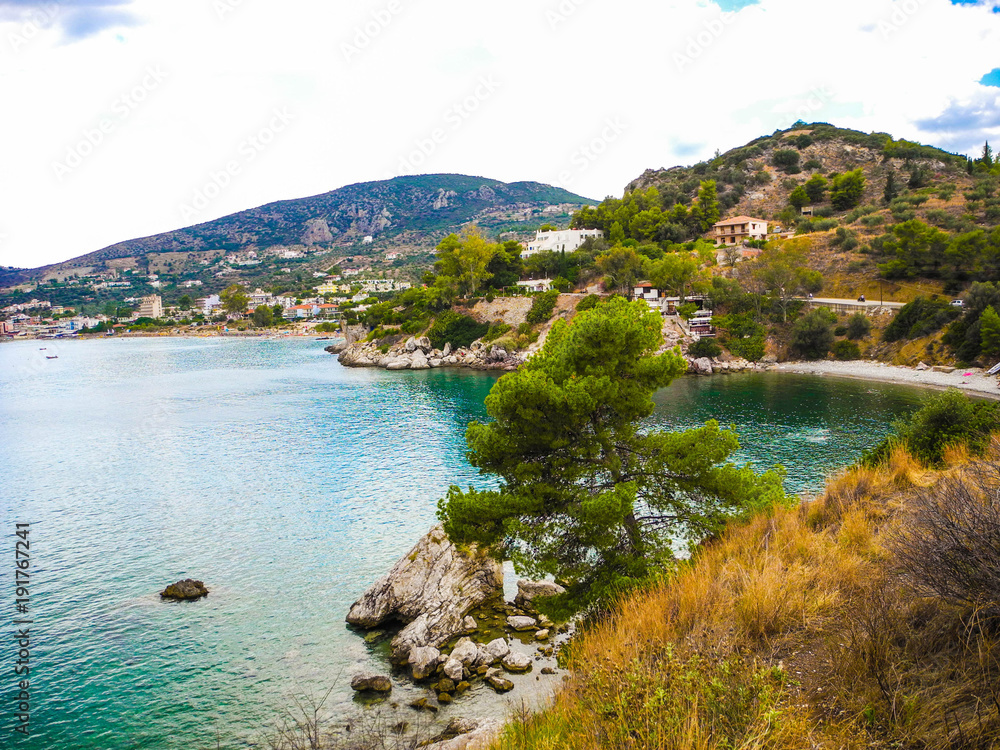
<point>406,214</point>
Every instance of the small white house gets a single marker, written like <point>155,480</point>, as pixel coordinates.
<point>557,241</point>
<point>536,285</point>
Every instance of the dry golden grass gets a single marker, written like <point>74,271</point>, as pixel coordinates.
<point>789,631</point>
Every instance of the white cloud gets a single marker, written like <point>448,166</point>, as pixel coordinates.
<point>366,85</point>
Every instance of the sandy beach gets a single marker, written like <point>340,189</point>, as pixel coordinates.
<point>974,379</point>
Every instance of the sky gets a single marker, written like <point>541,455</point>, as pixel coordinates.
<point>125,118</point>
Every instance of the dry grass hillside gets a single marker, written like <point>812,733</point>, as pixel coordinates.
<point>851,621</point>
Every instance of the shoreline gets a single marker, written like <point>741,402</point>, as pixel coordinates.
<point>976,383</point>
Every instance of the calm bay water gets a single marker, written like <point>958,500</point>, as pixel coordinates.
<point>287,483</point>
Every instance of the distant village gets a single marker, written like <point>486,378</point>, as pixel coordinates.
<point>350,289</point>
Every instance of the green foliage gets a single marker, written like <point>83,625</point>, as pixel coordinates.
<point>847,189</point>
<point>542,307</point>
<point>455,329</point>
<point>674,273</point>
<point>799,197</point>
<point>919,318</point>
<point>787,160</point>
<point>647,216</point>
<point>815,188</point>
<point>588,303</point>
<point>585,494</point>
<point>234,299</point>
<point>621,268</point>
<point>744,336</point>
<point>495,331</point>
<point>918,250</point>
<point>466,259</point>
<point>262,316</point>
<point>949,418</point>
<point>812,334</point>
<point>989,332</point>
<point>858,326</point>
<point>705,348</point>
<point>846,350</point>
<point>328,327</point>
<point>687,310</point>
<point>964,336</point>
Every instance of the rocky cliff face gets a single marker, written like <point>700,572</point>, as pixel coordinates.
<point>431,589</point>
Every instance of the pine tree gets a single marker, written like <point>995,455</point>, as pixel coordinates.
<point>586,493</point>
<point>891,188</point>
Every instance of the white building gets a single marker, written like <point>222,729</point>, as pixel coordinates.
<point>567,240</point>
<point>536,285</point>
<point>210,304</point>
<point>150,307</point>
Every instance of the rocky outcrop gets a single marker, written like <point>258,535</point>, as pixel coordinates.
<point>431,589</point>
<point>375,683</point>
<point>186,589</point>
<point>463,734</point>
<point>418,354</point>
<point>528,591</point>
<point>717,365</point>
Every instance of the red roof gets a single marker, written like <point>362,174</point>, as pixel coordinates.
<point>737,220</point>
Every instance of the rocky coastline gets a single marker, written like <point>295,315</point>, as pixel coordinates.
<point>418,354</point>
<point>457,631</point>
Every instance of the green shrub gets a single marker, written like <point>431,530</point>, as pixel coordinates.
<point>949,418</point>
<point>496,331</point>
<point>542,307</point>
<point>919,318</point>
<point>813,164</point>
<point>587,303</point>
<point>704,348</point>
<point>846,350</point>
<point>812,334</point>
<point>858,326</point>
<point>455,329</point>
<point>787,160</point>
<point>840,331</point>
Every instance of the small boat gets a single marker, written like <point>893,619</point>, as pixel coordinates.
<point>41,348</point>
<point>51,356</point>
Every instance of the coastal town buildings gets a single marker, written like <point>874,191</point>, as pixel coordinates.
<point>567,240</point>
<point>150,307</point>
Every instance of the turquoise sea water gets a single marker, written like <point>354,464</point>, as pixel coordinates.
<point>287,483</point>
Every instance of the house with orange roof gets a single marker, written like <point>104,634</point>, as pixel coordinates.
<point>739,229</point>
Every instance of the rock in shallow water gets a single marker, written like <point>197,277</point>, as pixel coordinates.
<point>186,589</point>
<point>520,622</point>
<point>371,682</point>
